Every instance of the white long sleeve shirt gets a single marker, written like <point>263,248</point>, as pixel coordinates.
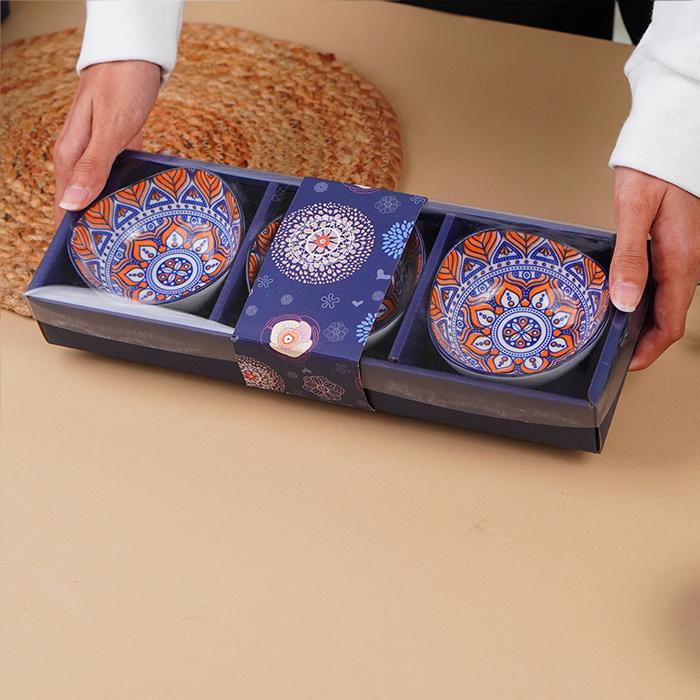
<point>132,30</point>
<point>661,136</point>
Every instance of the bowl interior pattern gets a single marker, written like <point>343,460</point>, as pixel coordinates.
<point>403,282</point>
<point>513,304</point>
<point>161,239</point>
<point>259,250</point>
<point>401,286</point>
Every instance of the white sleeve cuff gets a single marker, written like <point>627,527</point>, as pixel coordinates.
<point>132,30</point>
<point>661,136</point>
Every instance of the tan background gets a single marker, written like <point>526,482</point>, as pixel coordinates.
<point>171,536</point>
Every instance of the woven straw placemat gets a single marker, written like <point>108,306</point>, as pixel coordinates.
<point>235,97</point>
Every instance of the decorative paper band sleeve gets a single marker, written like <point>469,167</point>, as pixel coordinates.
<point>661,136</point>
<point>132,30</point>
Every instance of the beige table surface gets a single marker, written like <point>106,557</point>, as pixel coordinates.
<point>171,536</point>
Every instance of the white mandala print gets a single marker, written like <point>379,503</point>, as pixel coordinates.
<point>323,243</point>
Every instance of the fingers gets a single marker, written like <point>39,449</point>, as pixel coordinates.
<point>636,204</point>
<point>72,142</point>
<point>671,216</point>
<point>110,107</point>
<point>90,172</point>
<point>79,183</point>
<point>664,326</point>
<point>650,347</point>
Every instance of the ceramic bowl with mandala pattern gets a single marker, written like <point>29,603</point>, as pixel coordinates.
<point>516,307</point>
<point>168,239</point>
<point>259,250</point>
<point>401,287</point>
<point>398,294</point>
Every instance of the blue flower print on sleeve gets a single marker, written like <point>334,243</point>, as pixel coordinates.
<point>394,240</point>
<point>364,328</point>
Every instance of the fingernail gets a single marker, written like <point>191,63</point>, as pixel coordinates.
<point>74,198</point>
<point>626,296</point>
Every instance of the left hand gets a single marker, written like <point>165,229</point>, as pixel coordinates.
<point>646,206</point>
<point>109,109</point>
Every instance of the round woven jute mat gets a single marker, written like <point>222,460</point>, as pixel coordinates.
<point>235,97</point>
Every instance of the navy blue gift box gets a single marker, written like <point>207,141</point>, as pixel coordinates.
<point>241,336</point>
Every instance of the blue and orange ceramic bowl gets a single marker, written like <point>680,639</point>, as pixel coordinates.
<point>401,286</point>
<point>516,307</point>
<point>169,239</point>
<point>259,250</point>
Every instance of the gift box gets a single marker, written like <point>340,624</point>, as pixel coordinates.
<point>302,326</point>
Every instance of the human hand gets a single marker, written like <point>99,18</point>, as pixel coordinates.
<point>645,205</point>
<point>109,109</point>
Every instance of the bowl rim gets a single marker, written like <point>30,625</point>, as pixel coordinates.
<point>551,370</point>
<point>406,302</point>
<point>253,244</point>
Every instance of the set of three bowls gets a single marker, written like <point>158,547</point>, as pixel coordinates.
<point>504,305</point>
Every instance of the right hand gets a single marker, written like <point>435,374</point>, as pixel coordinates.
<point>646,206</point>
<point>110,107</point>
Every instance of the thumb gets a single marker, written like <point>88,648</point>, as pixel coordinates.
<point>88,178</point>
<point>91,171</point>
<point>637,199</point>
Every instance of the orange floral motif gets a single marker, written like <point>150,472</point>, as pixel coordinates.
<point>100,215</point>
<point>172,182</point>
<point>134,196</point>
<point>209,185</point>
